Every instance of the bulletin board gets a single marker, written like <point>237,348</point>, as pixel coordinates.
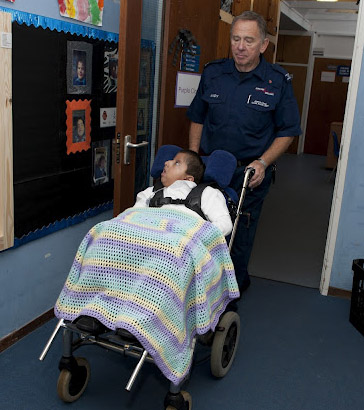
<point>54,168</point>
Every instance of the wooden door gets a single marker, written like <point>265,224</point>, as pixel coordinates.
<point>327,103</point>
<point>202,21</point>
<point>127,101</point>
<point>293,54</point>
<point>269,9</point>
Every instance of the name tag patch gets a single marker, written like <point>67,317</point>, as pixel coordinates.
<point>266,92</point>
<point>261,103</point>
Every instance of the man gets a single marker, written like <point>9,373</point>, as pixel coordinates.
<point>246,106</point>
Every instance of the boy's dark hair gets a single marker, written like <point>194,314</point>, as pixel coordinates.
<point>195,165</point>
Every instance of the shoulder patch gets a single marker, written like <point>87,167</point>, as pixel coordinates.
<point>288,77</point>
<point>282,71</point>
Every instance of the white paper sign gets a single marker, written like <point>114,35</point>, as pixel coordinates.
<point>107,117</point>
<point>328,76</point>
<point>6,40</point>
<point>186,88</point>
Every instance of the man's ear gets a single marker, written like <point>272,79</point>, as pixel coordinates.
<point>189,178</point>
<point>264,45</point>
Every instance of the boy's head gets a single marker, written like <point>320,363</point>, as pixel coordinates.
<point>81,69</point>
<point>186,165</point>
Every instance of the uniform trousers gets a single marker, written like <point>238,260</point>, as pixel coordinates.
<point>248,222</point>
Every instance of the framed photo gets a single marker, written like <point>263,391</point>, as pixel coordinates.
<point>79,67</point>
<point>110,70</point>
<point>142,122</point>
<point>144,73</point>
<point>101,162</point>
<point>78,125</point>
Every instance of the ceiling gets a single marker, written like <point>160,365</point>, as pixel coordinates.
<point>299,14</point>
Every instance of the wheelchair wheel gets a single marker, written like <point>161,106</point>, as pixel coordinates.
<point>71,385</point>
<point>185,405</point>
<point>224,345</point>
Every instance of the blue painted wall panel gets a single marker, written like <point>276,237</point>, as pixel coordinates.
<point>350,238</point>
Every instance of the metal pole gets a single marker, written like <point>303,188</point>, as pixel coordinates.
<point>249,172</point>
<point>136,371</point>
<point>50,340</point>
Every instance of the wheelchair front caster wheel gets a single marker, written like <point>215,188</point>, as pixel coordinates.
<point>225,343</point>
<point>179,401</point>
<point>71,385</point>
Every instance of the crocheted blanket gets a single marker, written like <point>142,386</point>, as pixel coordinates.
<point>162,274</point>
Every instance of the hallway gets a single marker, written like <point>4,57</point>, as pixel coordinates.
<point>291,237</point>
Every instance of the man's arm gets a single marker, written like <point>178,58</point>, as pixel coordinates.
<point>195,136</point>
<point>278,147</point>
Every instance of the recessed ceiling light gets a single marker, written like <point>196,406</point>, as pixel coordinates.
<point>327,0</point>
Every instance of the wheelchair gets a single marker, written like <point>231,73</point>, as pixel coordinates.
<point>86,330</point>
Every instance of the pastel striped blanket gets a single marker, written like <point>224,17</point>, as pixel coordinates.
<point>162,274</point>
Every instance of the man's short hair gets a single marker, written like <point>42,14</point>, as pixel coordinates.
<point>252,16</point>
<point>195,165</point>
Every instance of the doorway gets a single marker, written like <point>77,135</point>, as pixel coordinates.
<point>291,239</point>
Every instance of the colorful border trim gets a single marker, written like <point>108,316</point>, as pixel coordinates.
<point>29,19</point>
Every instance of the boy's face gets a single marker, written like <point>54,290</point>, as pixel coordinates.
<point>80,70</point>
<point>80,127</point>
<point>174,170</point>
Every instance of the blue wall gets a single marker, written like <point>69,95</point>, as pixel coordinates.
<point>32,276</point>
<point>350,238</point>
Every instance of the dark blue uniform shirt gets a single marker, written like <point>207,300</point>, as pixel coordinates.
<point>244,112</point>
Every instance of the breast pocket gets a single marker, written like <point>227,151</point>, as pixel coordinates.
<point>216,107</point>
<point>260,101</point>
<point>259,109</point>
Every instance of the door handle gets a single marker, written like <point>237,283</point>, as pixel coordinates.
<point>127,145</point>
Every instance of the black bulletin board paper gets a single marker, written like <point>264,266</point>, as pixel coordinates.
<point>50,185</point>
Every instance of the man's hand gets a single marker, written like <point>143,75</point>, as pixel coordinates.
<point>259,175</point>
<point>278,147</point>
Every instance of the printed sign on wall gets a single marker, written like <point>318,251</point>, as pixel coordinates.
<point>186,88</point>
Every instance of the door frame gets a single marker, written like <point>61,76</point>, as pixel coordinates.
<point>344,154</point>
<point>126,101</point>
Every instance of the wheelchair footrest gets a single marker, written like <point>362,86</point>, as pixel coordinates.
<point>126,335</point>
<point>90,325</point>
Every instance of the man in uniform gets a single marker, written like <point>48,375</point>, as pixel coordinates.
<point>246,106</point>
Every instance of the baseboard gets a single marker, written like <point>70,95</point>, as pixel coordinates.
<point>15,336</point>
<point>340,293</point>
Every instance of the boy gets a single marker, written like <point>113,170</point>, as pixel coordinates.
<point>180,175</point>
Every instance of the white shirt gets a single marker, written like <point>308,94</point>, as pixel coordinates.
<point>213,204</point>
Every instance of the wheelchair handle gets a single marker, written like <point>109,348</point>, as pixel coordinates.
<point>248,173</point>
